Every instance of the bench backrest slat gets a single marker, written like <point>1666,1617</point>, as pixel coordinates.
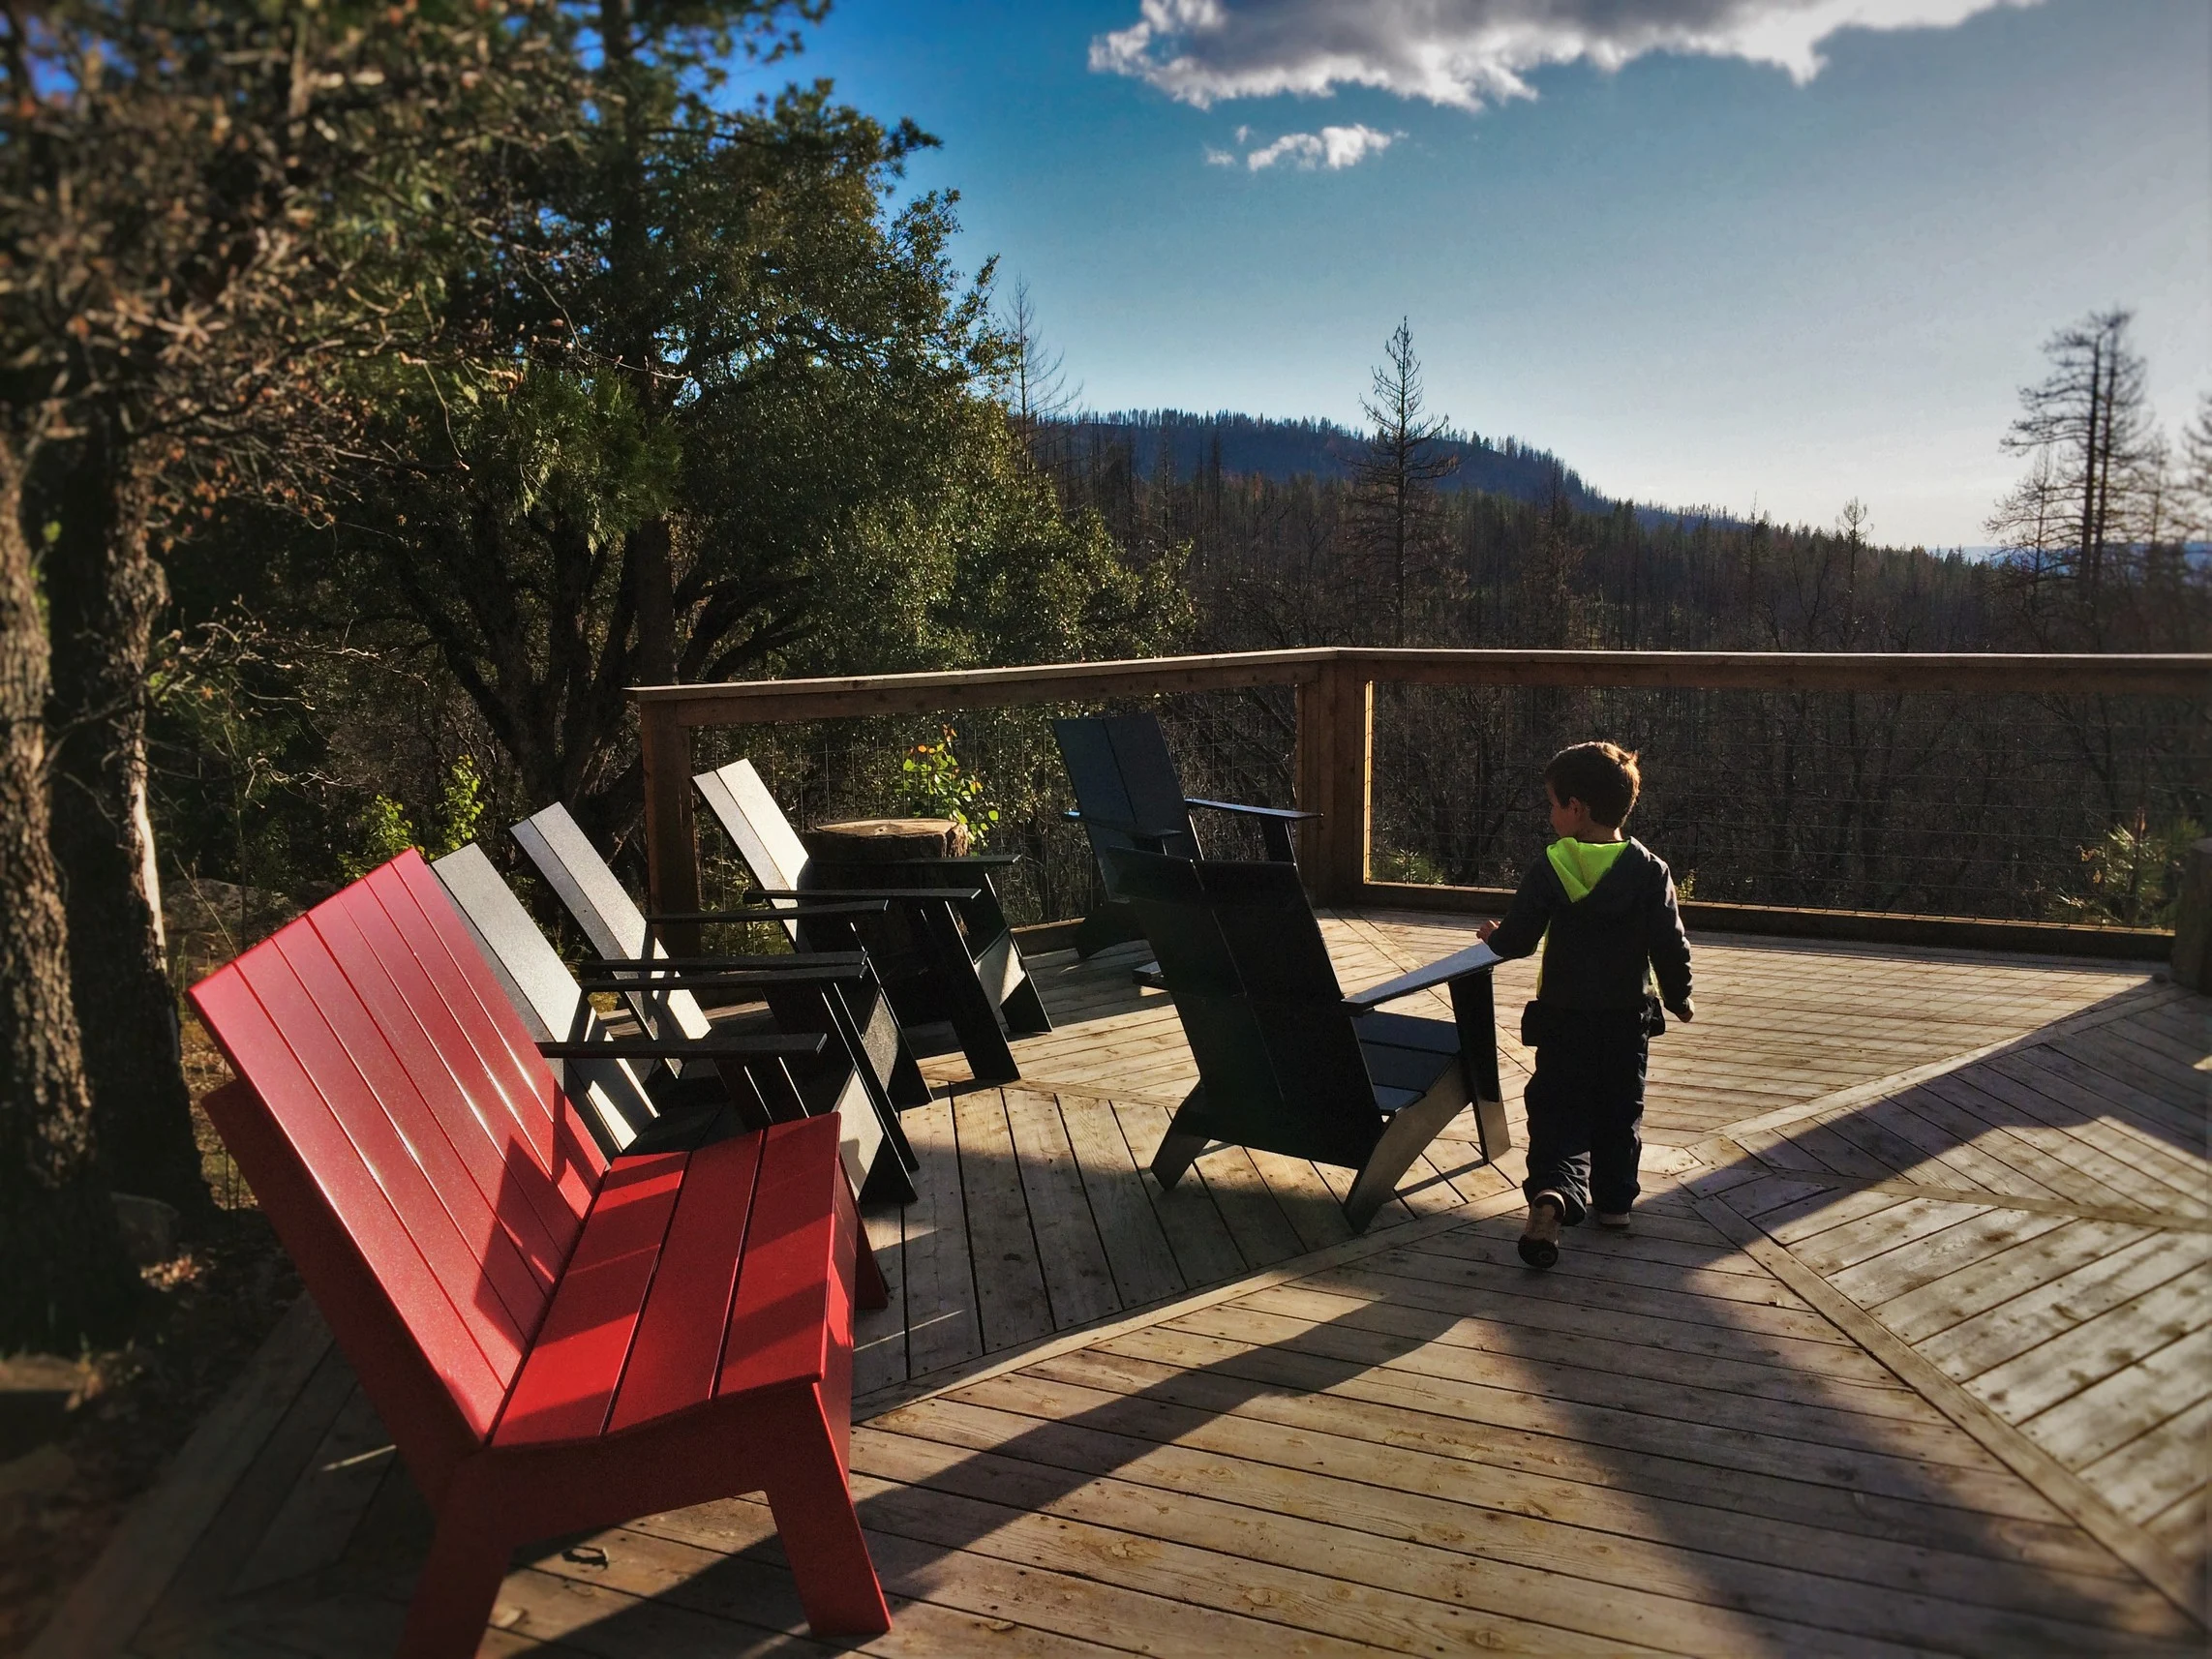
<point>375,1039</point>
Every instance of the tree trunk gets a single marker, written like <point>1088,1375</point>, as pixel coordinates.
<point>67,1279</point>
<point>104,592</point>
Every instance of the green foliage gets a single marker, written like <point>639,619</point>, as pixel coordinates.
<point>933,785</point>
<point>1392,865</point>
<point>384,831</point>
<point>2133,876</point>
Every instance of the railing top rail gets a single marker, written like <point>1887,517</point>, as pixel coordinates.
<point>770,701</point>
<point>778,701</point>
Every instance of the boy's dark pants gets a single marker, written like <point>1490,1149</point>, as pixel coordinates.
<point>1586,1113</point>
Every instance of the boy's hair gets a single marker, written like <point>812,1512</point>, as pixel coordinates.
<point>1602,776</point>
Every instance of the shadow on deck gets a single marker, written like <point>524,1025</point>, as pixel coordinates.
<point>1908,1349</point>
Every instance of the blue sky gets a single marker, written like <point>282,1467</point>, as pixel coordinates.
<point>1800,265</point>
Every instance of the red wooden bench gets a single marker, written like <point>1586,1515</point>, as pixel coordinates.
<point>554,1342</point>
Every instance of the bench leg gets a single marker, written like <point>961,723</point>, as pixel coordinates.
<point>460,1581</point>
<point>812,1501</point>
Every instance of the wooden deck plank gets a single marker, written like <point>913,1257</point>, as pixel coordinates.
<point>942,1327</point>
<point>1078,1279</point>
<point>1880,1280</point>
<point>879,1334</point>
<point>1994,1279</point>
<point>2106,1413</point>
<point>1136,1249</point>
<point>1977,1345</point>
<point>1011,1304</point>
<point>2145,1476</point>
<point>1263,1234</point>
<point>1412,1493</point>
<point>1205,1251</point>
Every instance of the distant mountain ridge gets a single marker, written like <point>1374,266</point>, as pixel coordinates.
<point>1289,448</point>
<point>1284,449</point>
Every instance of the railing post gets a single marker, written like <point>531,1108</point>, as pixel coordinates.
<point>1336,743</point>
<point>671,841</point>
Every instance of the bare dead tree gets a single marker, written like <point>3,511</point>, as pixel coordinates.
<point>1034,381</point>
<point>1395,482</point>
<point>2087,425</point>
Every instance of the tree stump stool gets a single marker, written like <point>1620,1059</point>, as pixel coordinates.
<point>856,854</point>
<point>886,840</point>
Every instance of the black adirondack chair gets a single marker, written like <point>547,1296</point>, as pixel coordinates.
<point>1129,797</point>
<point>1287,1062</point>
<point>944,951</point>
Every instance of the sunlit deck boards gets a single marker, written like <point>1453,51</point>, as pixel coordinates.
<point>1829,1397</point>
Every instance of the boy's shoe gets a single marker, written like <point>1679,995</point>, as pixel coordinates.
<point>1611,1222</point>
<point>1540,1238</point>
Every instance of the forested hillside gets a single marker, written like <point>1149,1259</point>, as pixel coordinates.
<point>1160,445</point>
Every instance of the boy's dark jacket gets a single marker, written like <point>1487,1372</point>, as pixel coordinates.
<point>1600,942</point>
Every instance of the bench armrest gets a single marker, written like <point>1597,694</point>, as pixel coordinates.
<point>1474,959</point>
<point>716,1045</point>
<point>1287,814</point>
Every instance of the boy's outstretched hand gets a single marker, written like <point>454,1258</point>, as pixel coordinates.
<point>1482,934</point>
<point>1684,1011</point>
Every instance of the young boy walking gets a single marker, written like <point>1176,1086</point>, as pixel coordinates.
<point>1603,909</point>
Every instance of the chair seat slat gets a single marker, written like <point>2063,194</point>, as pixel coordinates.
<point>675,1359</point>
<point>568,1383</point>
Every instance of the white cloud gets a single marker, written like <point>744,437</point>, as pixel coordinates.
<point>1467,52</point>
<point>1332,147</point>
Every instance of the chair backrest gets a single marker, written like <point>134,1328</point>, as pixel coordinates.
<point>594,895</point>
<point>543,991</point>
<point>409,1145</point>
<point>1123,776</point>
<point>751,818</point>
<point>1244,960</point>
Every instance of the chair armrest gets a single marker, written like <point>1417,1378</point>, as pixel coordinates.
<point>721,977</point>
<point>1474,959</point>
<point>716,1045</point>
<point>1288,815</point>
<point>1076,815</point>
<point>843,905</point>
<point>782,962</point>
<point>897,896</point>
<point>970,860</point>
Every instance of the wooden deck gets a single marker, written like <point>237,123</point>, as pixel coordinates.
<point>1908,1351</point>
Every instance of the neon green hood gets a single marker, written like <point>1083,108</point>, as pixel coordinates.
<point>1581,865</point>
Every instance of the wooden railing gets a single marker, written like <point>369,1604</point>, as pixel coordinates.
<point>1335,691</point>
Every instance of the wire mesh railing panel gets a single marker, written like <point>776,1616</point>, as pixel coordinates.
<point>2056,808</point>
<point>1236,745</point>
